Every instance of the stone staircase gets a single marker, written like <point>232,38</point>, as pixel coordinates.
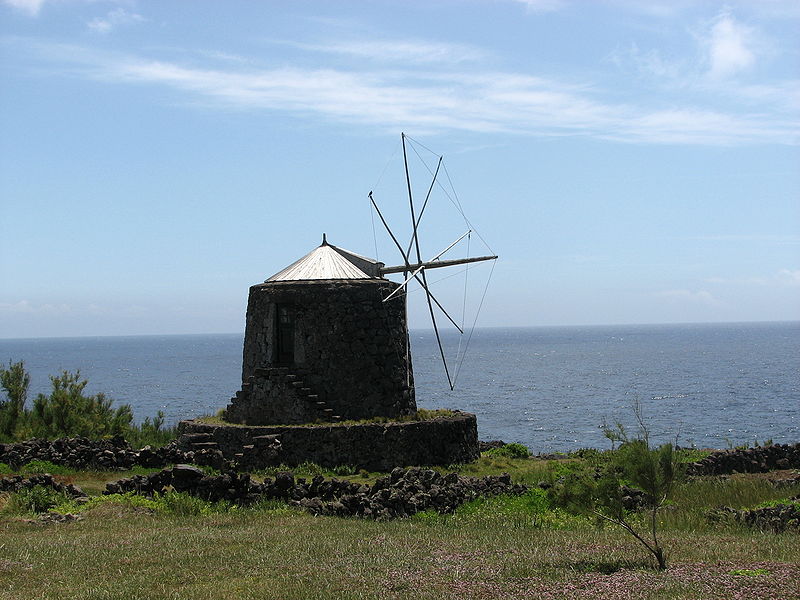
<point>263,451</point>
<point>198,441</point>
<point>289,384</point>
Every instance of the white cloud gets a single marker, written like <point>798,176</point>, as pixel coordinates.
<point>543,5</point>
<point>403,51</point>
<point>439,99</point>
<point>115,18</point>
<point>726,51</point>
<point>649,64</point>
<point>31,7</point>
<point>730,47</point>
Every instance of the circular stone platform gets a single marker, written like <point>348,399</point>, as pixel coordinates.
<point>442,440</point>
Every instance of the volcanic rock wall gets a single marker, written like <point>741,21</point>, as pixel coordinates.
<point>371,446</point>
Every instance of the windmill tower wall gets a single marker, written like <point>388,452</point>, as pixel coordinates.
<point>324,350</point>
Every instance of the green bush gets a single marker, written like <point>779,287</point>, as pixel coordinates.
<point>68,412</point>
<point>44,466</point>
<point>345,470</point>
<point>509,451</point>
<point>14,380</point>
<point>37,499</point>
<point>5,469</point>
<point>598,491</point>
<point>151,432</point>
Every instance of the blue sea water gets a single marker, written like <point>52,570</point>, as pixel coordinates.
<point>550,388</point>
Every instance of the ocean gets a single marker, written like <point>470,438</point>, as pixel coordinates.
<point>550,388</point>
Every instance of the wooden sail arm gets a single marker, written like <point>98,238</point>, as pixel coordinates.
<point>434,264</point>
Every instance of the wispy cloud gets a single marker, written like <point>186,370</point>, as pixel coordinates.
<point>440,99</point>
<point>724,47</point>
<point>722,72</point>
<point>115,18</point>
<point>30,7</point>
<point>543,5</point>
<point>670,9</point>
<point>730,47</point>
<point>399,51</point>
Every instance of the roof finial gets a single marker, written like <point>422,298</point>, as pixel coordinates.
<point>324,240</point>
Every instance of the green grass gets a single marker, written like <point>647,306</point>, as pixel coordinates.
<point>510,451</point>
<point>125,551</point>
<point>44,466</point>
<point>34,500</point>
<point>175,546</point>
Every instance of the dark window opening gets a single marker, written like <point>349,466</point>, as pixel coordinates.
<point>284,315</point>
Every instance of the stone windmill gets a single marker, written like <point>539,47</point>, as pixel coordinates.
<point>326,341</point>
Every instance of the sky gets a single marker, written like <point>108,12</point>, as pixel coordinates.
<point>629,162</point>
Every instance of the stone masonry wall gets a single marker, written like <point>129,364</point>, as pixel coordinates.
<point>371,446</point>
<point>349,354</point>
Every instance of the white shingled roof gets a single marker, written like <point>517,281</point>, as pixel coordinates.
<point>323,262</point>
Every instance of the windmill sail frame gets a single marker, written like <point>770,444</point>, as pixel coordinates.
<point>417,269</point>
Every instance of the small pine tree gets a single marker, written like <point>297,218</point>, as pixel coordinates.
<point>68,412</point>
<point>14,381</point>
<point>599,492</point>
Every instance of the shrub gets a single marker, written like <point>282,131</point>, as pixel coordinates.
<point>151,432</point>
<point>14,380</point>
<point>68,412</point>
<point>44,466</point>
<point>37,499</point>
<point>599,491</point>
<point>182,504</point>
<point>345,470</point>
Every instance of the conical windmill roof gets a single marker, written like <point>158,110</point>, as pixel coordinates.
<point>326,262</point>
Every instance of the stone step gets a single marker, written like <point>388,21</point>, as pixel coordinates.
<point>190,438</point>
<point>291,377</point>
<point>248,447</point>
<point>297,384</point>
<point>203,445</point>
<point>305,391</point>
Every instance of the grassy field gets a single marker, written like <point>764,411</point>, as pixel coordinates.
<point>506,547</point>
